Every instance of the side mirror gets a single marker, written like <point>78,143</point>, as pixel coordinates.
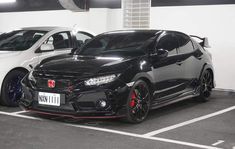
<point>160,53</point>
<point>47,47</point>
<point>74,50</point>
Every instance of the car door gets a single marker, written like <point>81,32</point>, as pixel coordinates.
<point>190,58</point>
<point>168,70</point>
<point>60,43</point>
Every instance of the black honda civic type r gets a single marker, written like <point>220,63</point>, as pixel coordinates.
<point>121,74</point>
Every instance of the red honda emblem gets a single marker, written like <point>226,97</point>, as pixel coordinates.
<point>51,83</point>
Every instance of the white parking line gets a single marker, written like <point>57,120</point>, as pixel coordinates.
<point>153,133</point>
<point>18,115</point>
<point>121,133</point>
<point>218,142</point>
<point>19,112</point>
<point>144,137</point>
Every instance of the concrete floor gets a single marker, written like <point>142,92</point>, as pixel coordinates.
<point>185,125</point>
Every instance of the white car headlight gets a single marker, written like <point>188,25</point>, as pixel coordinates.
<point>31,77</point>
<point>100,80</point>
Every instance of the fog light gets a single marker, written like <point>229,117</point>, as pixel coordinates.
<point>103,104</point>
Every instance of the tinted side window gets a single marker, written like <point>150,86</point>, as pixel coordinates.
<point>60,40</point>
<point>168,42</point>
<point>185,44</point>
<point>82,38</point>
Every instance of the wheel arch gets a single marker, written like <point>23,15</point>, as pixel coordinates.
<point>210,69</point>
<point>145,77</point>
<point>149,83</point>
<point>212,74</point>
<point>17,68</point>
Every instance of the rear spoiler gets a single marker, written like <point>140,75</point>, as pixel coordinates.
<point>204,43</point>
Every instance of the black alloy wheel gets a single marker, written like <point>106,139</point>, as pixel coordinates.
<point>138,103</point>
<point>206,85</point>
<point>11,91</point>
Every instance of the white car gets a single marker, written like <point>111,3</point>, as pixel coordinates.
<point>22,49</point>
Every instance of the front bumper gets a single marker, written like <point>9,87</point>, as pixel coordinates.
<point>80,104</point>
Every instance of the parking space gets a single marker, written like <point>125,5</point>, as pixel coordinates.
<point>187,124</point>
<point>218,130</point>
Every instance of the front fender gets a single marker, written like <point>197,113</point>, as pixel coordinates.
<point>2,77</point>
<point>144,75</point>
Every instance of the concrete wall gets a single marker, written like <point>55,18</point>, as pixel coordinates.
<point>94,20</point>
<point>217,22</point>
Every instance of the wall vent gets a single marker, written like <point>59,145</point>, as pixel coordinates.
<point>136,13</point>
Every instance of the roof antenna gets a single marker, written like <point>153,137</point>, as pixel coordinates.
<point>75,25</point>
<point>75,28</point>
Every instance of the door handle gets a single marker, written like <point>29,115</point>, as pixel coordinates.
<point>200,57</point>
<point>179,63</point>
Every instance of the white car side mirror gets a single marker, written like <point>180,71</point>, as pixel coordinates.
<point>47,47</point>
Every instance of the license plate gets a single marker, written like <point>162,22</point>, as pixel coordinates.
<point>51,99</point>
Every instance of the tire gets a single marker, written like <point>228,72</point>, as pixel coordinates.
<point>206,85</point>
<point>11,91</point>
<point>138,102</point>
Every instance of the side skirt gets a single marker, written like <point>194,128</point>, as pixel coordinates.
<point>174,100</point>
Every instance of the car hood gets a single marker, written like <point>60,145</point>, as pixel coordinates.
<point>85,65</point>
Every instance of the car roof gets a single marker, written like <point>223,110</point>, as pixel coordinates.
<point>46,28</point>
<point>150,31</point>
<point>136,31</point>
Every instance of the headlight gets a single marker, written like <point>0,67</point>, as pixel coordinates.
<point>100,80</point>
<point>31,77</point>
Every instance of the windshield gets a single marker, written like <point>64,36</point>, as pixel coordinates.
<point>129,44</point>
<point>19,40</point>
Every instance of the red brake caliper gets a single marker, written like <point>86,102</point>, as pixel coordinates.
<point>133,97</point>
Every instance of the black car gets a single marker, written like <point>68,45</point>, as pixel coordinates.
<point>121,74</point>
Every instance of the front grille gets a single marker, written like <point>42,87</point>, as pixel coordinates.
<point>65,82</point>
<point>59,84</point>
<point>55,75</point>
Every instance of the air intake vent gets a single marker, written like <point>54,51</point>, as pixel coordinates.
<point>136,13</point>
<point>75,5</point>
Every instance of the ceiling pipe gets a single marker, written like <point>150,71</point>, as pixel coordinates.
<point>79,6</point>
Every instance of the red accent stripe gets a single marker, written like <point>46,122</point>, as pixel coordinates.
<point>76,117</point>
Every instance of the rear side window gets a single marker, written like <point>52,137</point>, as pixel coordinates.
<point>60,40</point>
<point>168,42</point>
<point>185,44</point>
